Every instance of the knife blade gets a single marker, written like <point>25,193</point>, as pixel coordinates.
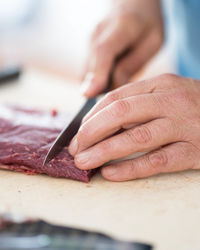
<point>69,131</point>
<point>72,128</point>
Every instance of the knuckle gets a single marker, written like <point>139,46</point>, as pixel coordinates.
<point>105,147</point>
<point>182,94</point>
<point>183,99</point>
<point>157,159</point>
<point>167,76</point>
<point>111,97</point>
<point>120,108</point>
<point>129,137</point>
<point>142,135</point>
<point>169,80</point>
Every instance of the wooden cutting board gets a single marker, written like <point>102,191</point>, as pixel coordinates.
<point>162,210</point>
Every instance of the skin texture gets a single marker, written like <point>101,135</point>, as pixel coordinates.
<point>159,116</point>
<point>125,40</point>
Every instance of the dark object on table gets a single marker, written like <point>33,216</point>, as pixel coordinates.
<point>25,138</point>
<point>9,73</point>
<point>40,235</point>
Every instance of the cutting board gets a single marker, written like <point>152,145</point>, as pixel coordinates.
<point>163,210</point>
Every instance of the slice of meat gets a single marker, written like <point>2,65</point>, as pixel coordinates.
<point>25,138</point>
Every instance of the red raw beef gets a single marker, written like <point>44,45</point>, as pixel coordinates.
<point>25,138</point>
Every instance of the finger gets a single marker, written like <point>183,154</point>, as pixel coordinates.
<point>116,38</point>
<point>138,109</point>
<point>131,89</point>
<point>175,157</point>
<point>137,58</point>
<point>142,138</point>
<point>97,32</point>
<point>154,85</point>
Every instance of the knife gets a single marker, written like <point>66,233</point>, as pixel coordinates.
<point>69,132</point>
<point>72,128</point>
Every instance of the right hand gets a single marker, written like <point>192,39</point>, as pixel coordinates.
<point>136,29</point>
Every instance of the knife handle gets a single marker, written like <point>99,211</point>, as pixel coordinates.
<point>109,83</point>
<point>110,78</point>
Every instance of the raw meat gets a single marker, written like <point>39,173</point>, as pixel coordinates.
<point>25,138</point>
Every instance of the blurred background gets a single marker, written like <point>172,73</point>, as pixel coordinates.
<point>53,35</point>
<point>49,34</point>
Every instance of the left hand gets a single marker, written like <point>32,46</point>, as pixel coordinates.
<point>160,116</point>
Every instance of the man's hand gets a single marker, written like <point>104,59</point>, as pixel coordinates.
<point>160,116</point>
<point>135,30</point>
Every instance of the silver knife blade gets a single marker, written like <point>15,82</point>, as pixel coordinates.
<point>69,132</point>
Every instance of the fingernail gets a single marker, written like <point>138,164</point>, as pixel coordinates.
<point>86,85</point>
<point>73,147</point>
<point>83,158</point>
<point>110,171</point>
